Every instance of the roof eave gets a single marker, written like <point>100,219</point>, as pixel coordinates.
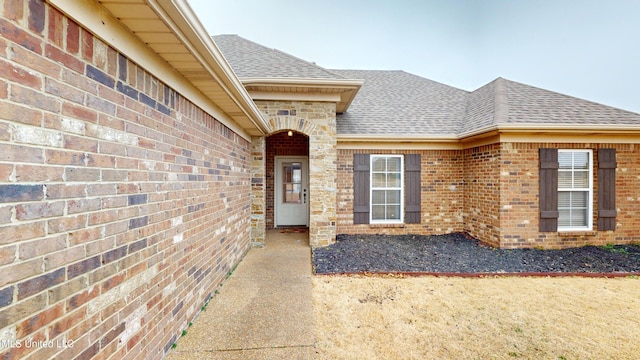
<point>217,89</point>
<point>540,129</point>
<point>182,17</point>
<point>345,88</point>
<point>497,133</point>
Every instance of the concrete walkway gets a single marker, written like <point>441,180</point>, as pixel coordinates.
<point>264,310</point>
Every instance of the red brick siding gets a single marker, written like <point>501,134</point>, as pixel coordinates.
<point>122,205</point>
<point>482,193</point>
<point>519,201</point>
<point>280,144</point>
<point>441,197</point>
<point>496,196</point>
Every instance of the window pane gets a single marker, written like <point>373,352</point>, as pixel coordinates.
<point>580,179</point>
<point>580,160</point>
<point>377,212</point>
<point>393,164</point>
<point>579,217</point>
<point>564,219</point>
<point>564,159</point>
<point>291,193</point>
<point>378,197</point>
<point>393,180</point>
<point>379,164</point>
<point>379,180</point>
<point>393,212</point>
<point>572,199</point>
<point>386,173</point>
<point>291,182</point>
<point>573,208</point>
<point>564,179</point>
<point>578,199</point>
<point>564,199</point>
<point>393,197</point>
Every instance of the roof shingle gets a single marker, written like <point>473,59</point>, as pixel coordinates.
<point>398,103</point>
<point>251,60</point>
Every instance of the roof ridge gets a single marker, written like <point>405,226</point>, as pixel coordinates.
<point>501,101</point>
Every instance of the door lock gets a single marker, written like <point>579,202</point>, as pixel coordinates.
<point>304,196</point>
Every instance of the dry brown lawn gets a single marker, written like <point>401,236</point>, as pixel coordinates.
<point>477,318</point>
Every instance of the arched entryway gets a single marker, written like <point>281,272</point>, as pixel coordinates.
<point>287,179</point>
<point>313,129</point>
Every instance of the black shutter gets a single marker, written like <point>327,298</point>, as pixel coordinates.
<point>361,175</point>
<point>412,189</point>
<point>607,189</point>
<point>548,190</point>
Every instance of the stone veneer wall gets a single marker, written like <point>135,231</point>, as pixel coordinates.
<point>122,205</point>
<point>317,120</point>
<point>441,196</point>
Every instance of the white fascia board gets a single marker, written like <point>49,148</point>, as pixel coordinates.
<point>278,96</point>
<point>186,25</point>
<point>348,84</point>
<point>576,129</point>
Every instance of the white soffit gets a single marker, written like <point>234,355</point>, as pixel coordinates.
<point>166,38</point>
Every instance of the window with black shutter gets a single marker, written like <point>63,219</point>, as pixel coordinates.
<point>548,179</point>
<point>361,191</point>
<point>607,189</point>
<point>386,189</point>
<point>566,190</point>
<point>413,203</point>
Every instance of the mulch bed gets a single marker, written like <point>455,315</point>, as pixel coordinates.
<point>458,254</point>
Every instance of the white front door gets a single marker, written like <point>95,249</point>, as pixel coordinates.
<point>291,195</point>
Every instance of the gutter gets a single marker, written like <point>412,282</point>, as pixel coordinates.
<point>492,130</point>
<point>554,128</point>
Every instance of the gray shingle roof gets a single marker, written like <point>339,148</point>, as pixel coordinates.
<point>251,60</point>
<point>399,103</point>
<point>508,102</point>
<point>528,104</point>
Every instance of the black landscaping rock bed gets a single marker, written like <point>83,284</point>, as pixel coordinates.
<point>456,253</point>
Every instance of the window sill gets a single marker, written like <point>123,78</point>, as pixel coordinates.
<point>384,226</point>
<point>577,233</point>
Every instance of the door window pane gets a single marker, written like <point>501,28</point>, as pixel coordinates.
<point>291,182</point>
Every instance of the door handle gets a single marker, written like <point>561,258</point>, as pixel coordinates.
<point>304,196</point>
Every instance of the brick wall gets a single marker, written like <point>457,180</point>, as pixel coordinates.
<point>519,202</point>
<point>441,196</point>
<point>482,193</point>
<point>281,144</point>
<point>122,205</point>
<point>491,192</point>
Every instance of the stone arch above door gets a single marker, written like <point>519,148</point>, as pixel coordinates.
<point>291,122</point>
<point>317,120</point>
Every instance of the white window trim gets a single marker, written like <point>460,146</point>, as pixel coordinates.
<point>589,226</point>
<point>371,188</point>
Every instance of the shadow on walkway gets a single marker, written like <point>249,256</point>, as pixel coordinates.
<point>264,310</point>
